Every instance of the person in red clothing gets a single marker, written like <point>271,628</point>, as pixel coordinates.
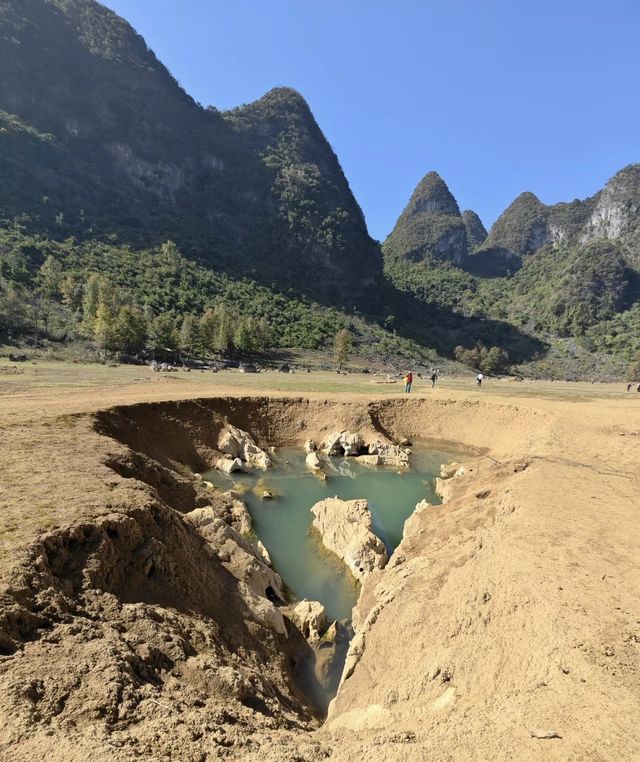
<point>408,380</point>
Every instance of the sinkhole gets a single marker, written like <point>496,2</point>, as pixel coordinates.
<point>283,523</point>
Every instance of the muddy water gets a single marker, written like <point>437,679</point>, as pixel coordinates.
<point>284,523</point>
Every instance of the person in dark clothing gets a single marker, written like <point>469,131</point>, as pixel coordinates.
<point>434,378</point>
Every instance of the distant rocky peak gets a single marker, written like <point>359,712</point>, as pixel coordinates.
<point>523,227</point>
<point>476,231</point>
<point>617,207</point>
<point>433,195</point>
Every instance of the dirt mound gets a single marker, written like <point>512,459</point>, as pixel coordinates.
<point>111,623</point>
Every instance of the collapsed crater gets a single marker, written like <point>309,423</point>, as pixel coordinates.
<point>164,602</point>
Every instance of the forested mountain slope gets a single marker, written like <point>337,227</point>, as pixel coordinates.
<point>568,272</point>
<point>97,138</point>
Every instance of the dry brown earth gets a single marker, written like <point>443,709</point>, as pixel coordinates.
<point>507,624</point>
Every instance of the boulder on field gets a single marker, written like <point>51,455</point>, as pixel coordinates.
<point>346,530</point>
<point>311,619</point>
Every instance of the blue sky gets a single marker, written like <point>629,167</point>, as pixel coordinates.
<point>498,96</point>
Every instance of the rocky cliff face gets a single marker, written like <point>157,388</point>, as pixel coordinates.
<point>96,138</point>
<point>616,211</point>
<point>612,213</point>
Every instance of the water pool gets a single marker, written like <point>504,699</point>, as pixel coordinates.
<point>284,523</point>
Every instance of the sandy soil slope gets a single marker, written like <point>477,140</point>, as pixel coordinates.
<point>506,625</point>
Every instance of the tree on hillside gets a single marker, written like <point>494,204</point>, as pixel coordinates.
<point>170,255</point>
<point>13,314</point>
<point>189,335</point>
<point>218,326</point>
<point>50,278</point>
<point>342,345</point>
<point>129,330</point>
<point>97,291</point>
<point>226,326</point>
<point>71,290</point>
<point>479,357</point>
<point>244,337</point>
<point>634,368</point>
<point>162,333</point>
<point>496,360</point>
<point>208,330</point>
<point>103,327</point>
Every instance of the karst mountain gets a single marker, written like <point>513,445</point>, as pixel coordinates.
<point>104,157</point>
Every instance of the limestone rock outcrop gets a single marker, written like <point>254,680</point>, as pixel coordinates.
<point>234,512</point>
<point>240,446</point>
<point>343,443</point>
<point>390,454</point>
<point>314,462</point>
<point>262,610</point>
<point>369,460</point>
<point>228,465</point>
<point>311,619</point>
<point>346,530</point>
<point>447,470</point>
<point>450,473</point>
<point>237,554</point>
<point>413,522</point>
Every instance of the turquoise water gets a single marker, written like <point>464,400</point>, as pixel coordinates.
<point>284,523</point>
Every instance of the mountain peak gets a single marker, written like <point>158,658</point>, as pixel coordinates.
<point>284,98</point>
<point>433,195</point>
<point>526,197</point>
<point>522,227</point>
<point>429,226</point>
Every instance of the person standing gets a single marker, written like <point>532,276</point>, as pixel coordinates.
<point>434,377</point>
<point>408,380</point>
<point>479,379</point>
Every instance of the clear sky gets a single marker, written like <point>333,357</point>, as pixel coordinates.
<point>498,96</point>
